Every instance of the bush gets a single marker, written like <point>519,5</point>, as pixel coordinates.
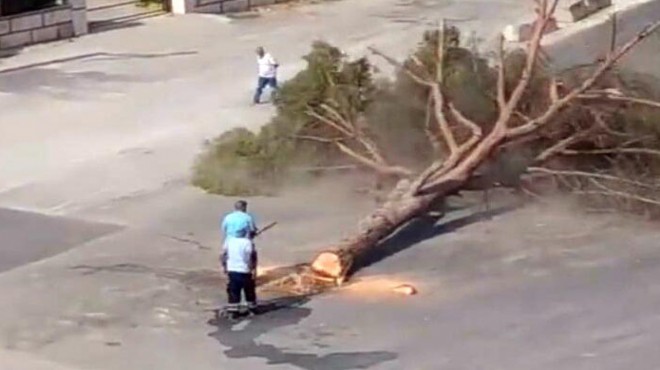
<point>241,162</point>
<point>393,111</point>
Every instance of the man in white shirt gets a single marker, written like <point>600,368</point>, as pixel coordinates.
<point>239,263</point>
<point>267,73</point>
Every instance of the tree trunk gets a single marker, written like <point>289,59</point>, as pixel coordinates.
<point>404,203</point>
<point>401,207</point>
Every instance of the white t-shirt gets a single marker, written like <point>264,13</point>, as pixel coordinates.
<point>239,252</point>
<point>267,66</point>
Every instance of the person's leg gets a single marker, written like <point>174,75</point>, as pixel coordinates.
<point>272,82</point>
<point>250,289</point>
<point>261,84</point>
<point>234,288</point>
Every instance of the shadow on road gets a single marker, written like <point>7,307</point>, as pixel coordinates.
<point>8,53</point>
<point>420,230</point>
<point>128,21</point>
<point>99,55</point>
<point>83,84</point>
<point>241,343</point>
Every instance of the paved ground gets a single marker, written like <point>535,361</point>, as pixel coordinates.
<point>28,237</point>
<point>96,141</point>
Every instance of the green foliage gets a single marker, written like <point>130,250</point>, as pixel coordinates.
<point>147,3</point>
<point>241,162</point>
<point>398,113</point>
<point>394,112</point>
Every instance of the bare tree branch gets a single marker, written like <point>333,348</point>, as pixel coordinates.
<point>358,134</point>
<point>372,148</point>
<point>440,167</point>
<point>501,72</point>
<point>377,167</point>
<point>618,98</point>
<point>417,61</point>
<point>613,151</point>
<point>613,33</point>
<point>437,95</point>
<point>325,168</point>
<point>440,54</point>
<point>552,111</point>
<point>522,116</point>
<point>552,9</point>
<point>339,127</point>
<point>430,133</point>
<point>338,117</point>
<point>413,76</point>
<point>561,145</point>
<point>591,175</point>
<point>530,65</point>
<point>554,90</point>
<point>441,119</point>
<point>474,128</point>
<point>318,139</point>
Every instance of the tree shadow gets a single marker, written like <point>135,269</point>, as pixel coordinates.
<point>127,21</point>
<point>111,25</point>
<point>419,230</point>
<point>8,53</point>
<point>95,56</point>
<point>241,341</point>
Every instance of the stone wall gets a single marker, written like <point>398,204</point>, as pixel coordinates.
<point>218,6</point>
<point>59,22</point>
<point>591,39</point>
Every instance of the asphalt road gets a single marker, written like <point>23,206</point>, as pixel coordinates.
<point>27,237</point>
<point>530,289</point>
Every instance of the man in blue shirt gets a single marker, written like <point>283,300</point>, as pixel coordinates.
<point>239,223</point>
<point>239,257</point>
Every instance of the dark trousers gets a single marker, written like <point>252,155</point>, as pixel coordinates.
<point>241,283</point>
<point>262,83</point>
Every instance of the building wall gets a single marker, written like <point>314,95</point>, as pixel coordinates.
<point>589,40</point>
<point>218,6</point>
<point>59,22</point>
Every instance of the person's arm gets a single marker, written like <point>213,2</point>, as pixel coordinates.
<point>253,261</point>
<point>253,227</point>
<point>274,62</point>
<point>223,258</point>
<point>223,230</point>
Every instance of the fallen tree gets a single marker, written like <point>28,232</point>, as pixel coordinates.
<point>534,109</point>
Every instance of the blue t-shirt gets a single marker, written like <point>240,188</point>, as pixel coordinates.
<point>238,224</point>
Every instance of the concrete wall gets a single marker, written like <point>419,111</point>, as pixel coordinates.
<point>588,40</point>
<point>44,25</point>
<point>218,6</point>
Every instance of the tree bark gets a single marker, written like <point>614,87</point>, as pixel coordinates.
<point>404,203</point>
<point>337,262</point>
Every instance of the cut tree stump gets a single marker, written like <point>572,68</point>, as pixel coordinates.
<point>401,207</point>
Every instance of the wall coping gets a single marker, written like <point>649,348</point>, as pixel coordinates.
<point>36,12</point>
